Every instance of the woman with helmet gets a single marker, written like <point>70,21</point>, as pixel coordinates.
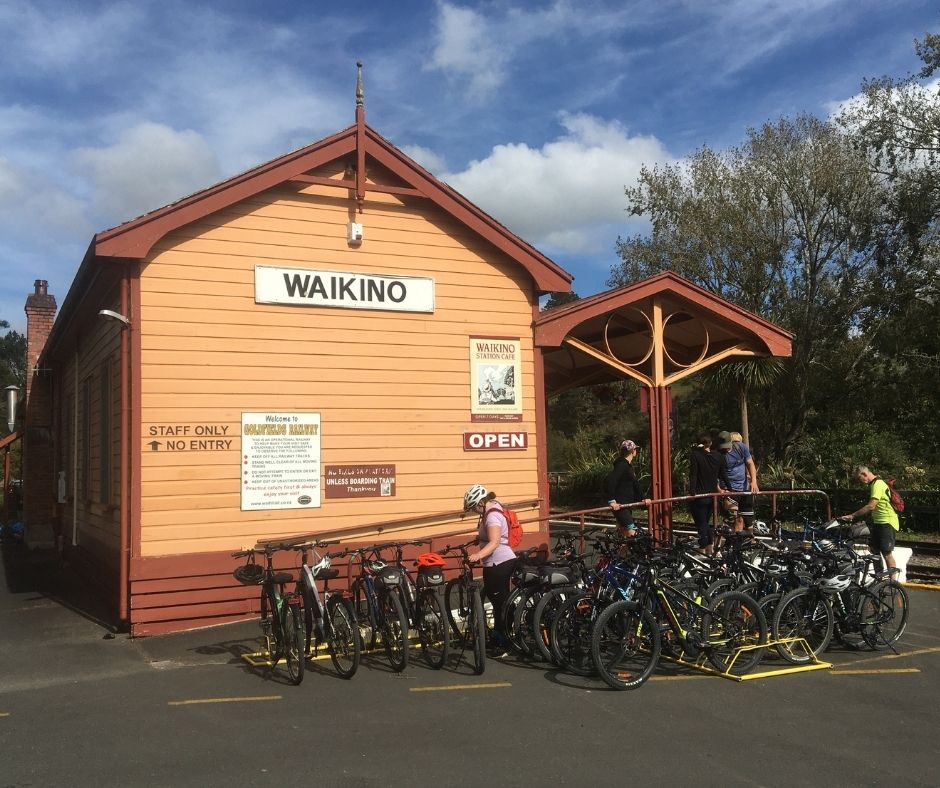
<point>494,551</point>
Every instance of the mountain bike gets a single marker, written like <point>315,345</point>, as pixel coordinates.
<point>613,578</point>
<point>842,601</point>
<point>422,598</point>
<point>329,619</point>
<point>281,620</point>
<point>377,602</point>
<point>627,639</point>
<point>468,616</point>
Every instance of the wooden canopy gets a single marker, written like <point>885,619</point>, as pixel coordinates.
<point>657,331</point>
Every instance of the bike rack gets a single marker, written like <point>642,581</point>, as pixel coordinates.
<point>814,662</point>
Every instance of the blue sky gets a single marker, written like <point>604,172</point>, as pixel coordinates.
<point>540,112</point>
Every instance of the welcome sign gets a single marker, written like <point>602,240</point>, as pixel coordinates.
<point>343,289</point>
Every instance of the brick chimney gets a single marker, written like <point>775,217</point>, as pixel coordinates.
<point>39,488</point>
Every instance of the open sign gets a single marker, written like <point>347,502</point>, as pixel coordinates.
<point>495,441</point>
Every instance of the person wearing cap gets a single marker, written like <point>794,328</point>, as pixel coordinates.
<point>739,475</point>
<point>623,488</point>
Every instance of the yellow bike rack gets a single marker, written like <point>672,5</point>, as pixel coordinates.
<point>814,662</point>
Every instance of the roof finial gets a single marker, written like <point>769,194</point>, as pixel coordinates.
<point>360,93</point>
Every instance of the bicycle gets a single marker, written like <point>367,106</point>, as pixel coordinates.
<point>375,592</point>
<point>626,641</point>
<point>468,616</point>
<point>281,619</point>
<point>837,602</point>
<point>613,578</point>
<point>423,601</point>
<point>328,619</point>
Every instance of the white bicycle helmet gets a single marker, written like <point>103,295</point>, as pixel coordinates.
<point>836,582</point>
<point>475,495</point>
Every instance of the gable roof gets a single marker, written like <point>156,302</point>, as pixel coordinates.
<point>135,238</point>
<point>601,338</point>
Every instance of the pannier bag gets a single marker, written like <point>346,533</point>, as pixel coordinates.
<point>430,576</point>
<point>390,576</point>
<point>558,575</point>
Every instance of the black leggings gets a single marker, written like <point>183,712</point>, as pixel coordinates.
<point>496,589</point>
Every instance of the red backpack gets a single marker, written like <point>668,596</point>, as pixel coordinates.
<point>894,497</point>
<point>515,529</point>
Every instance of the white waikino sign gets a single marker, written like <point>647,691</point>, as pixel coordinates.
<point>306,287</point>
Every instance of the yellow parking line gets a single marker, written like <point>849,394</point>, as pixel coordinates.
<point>678,678</point>
<point>4,714</point>
<point>873,671</point>
<point>495,685</point>
<point>196,701</point>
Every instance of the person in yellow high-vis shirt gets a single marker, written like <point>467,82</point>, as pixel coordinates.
<point>885,522</point>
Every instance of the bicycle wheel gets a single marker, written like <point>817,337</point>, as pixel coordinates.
<point>365,615</point>
<point>522,624</point>
<point>846,614</point>
<point>625,645</point>
<point>476,630</point>
<point>883,613</point>
<point>454,603</point>
<point>803,613</point>
<point>768,605</point>
<point>509,617</point>
<point>342,636</point>
<point>294,641</point>
<point>433,628</point>
<point>571,634</point>
<point>394,627</point>
<point>719,586</point>
<point>544,614</point>
<point>734,624</point>
<point>270,626</point>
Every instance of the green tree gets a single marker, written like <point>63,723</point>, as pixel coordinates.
<point>784,225</point>
<point>12,360</point>
<point>896,124</point>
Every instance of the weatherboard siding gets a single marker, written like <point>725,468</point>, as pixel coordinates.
<point>390,387</point>
<point>98,523</point>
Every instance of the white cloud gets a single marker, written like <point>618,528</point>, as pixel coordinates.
<point>36,209</point>
<point>568,193</point>
<point>426,157</point>
<point>149,166</point>
<point>55,38</point>
<point>467,47</point>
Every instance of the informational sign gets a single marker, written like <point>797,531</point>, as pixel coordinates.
<point>189,437</point>
<point>495,379</point>
<point>359,481</point>
<point>280,461</point>
<point>495,441</point>
<point>307,287</point>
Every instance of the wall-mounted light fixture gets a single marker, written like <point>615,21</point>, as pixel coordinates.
<point>13,396</point>
<point>112,315</point>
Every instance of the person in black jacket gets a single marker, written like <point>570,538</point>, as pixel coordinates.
<point>705,466</point>
<point>623,488</point>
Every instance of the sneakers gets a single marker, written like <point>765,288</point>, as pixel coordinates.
<point>497,647</point>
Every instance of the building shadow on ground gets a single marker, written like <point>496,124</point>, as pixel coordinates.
<point>44,573</point>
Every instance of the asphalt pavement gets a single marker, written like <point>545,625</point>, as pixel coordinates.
<point>82,705</point>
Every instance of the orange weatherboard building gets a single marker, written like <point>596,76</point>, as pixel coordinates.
<point>332,340</point>
<point>333,343</point>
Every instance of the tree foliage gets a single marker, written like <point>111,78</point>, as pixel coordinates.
<point>784,226</point>
<point>12,360</point>
<point>829,229</point>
